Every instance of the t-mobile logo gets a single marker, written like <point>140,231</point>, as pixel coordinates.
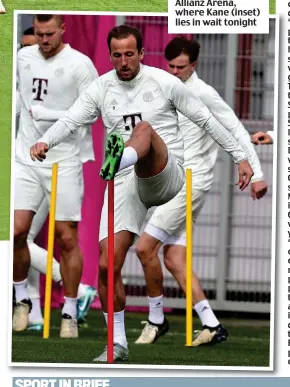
<point>133,120</point>
<point>40,88</point>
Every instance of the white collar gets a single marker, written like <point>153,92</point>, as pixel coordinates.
<point>192,78</point>
<point>133,82</point>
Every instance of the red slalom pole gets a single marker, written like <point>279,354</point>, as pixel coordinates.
<point>110,300</point>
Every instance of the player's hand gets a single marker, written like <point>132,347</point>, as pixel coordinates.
<point>38,151</point>
<point>261,138</point>
<point>245,174</point>
<point>258,189</point>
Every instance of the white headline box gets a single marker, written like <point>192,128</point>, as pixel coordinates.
<point>218,16</point>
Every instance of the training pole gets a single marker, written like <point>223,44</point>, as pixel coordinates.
<point>189,258</point>
<point>110,300</point>
<point>51,227</point>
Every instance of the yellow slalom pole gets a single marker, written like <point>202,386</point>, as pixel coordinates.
<point>51,227</point>
<point>188,258</point>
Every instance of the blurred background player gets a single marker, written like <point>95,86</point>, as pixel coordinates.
<point>263,138</point>
<point>2,8</point>
<point>28,38</point>
<point>40,82</point>
<point>139,102</point>
<point>167,225</point>
<point>38,255</point>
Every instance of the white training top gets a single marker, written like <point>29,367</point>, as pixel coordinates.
<point>200,151</point>
<point>272,135</point>
<point>153,96</point>
<point>55,84</point>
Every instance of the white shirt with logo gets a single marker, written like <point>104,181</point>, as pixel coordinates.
<point>272,135</point>
<point>200,150</point>
<point>154,96</point>
<point>55,83</point>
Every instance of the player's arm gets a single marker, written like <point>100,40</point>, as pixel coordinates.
<point>41,113</point>
<point>18,95</point>
<point>85,74</point>
<point>18,108</point>
<point>226,116</point>
<point>84,111</point>
<point>18,102</point>
<point>193,108</point>
<point>190,106</point>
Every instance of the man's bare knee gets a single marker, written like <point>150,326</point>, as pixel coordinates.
<point>144,127</point>
<point>123,240</point>
<point>174,259</point>
<point>143,252</point>
<point>169,264</point>
<point>147,249</point>
<point>66,235</point>
<point>141,134</point>
<point>103,265</point>
<point>20,238</point>
<point>67,241</point>
<point>22,224</point>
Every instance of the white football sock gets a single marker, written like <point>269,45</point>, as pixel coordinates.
<point>38,260</point>
<point>33,286</point>
<point>205,313</point>
<point>119,328</point>
<point>129,158</point>
<point>70,307</point>
<point>33,283</point>
<point>21,292</point>
<point>35,316</point>
<point>156,314</point>
<point>82,290</point>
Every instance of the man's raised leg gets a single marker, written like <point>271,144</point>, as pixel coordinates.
<point>145,149</point>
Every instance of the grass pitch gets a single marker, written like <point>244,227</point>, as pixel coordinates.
<point>248,344</point>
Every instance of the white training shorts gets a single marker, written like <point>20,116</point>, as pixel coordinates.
<point>133,197</point>
<point>168,222</point>
<point>33,184</point>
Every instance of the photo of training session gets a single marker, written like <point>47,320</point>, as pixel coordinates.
<point>142,194</point>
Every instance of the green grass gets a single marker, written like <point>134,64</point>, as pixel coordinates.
<point>272,5</point>
<point>6,28</point>
<point>248,345</point>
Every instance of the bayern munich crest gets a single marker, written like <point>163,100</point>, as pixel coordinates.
<point>148,96</point>
<point>59,72</point>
